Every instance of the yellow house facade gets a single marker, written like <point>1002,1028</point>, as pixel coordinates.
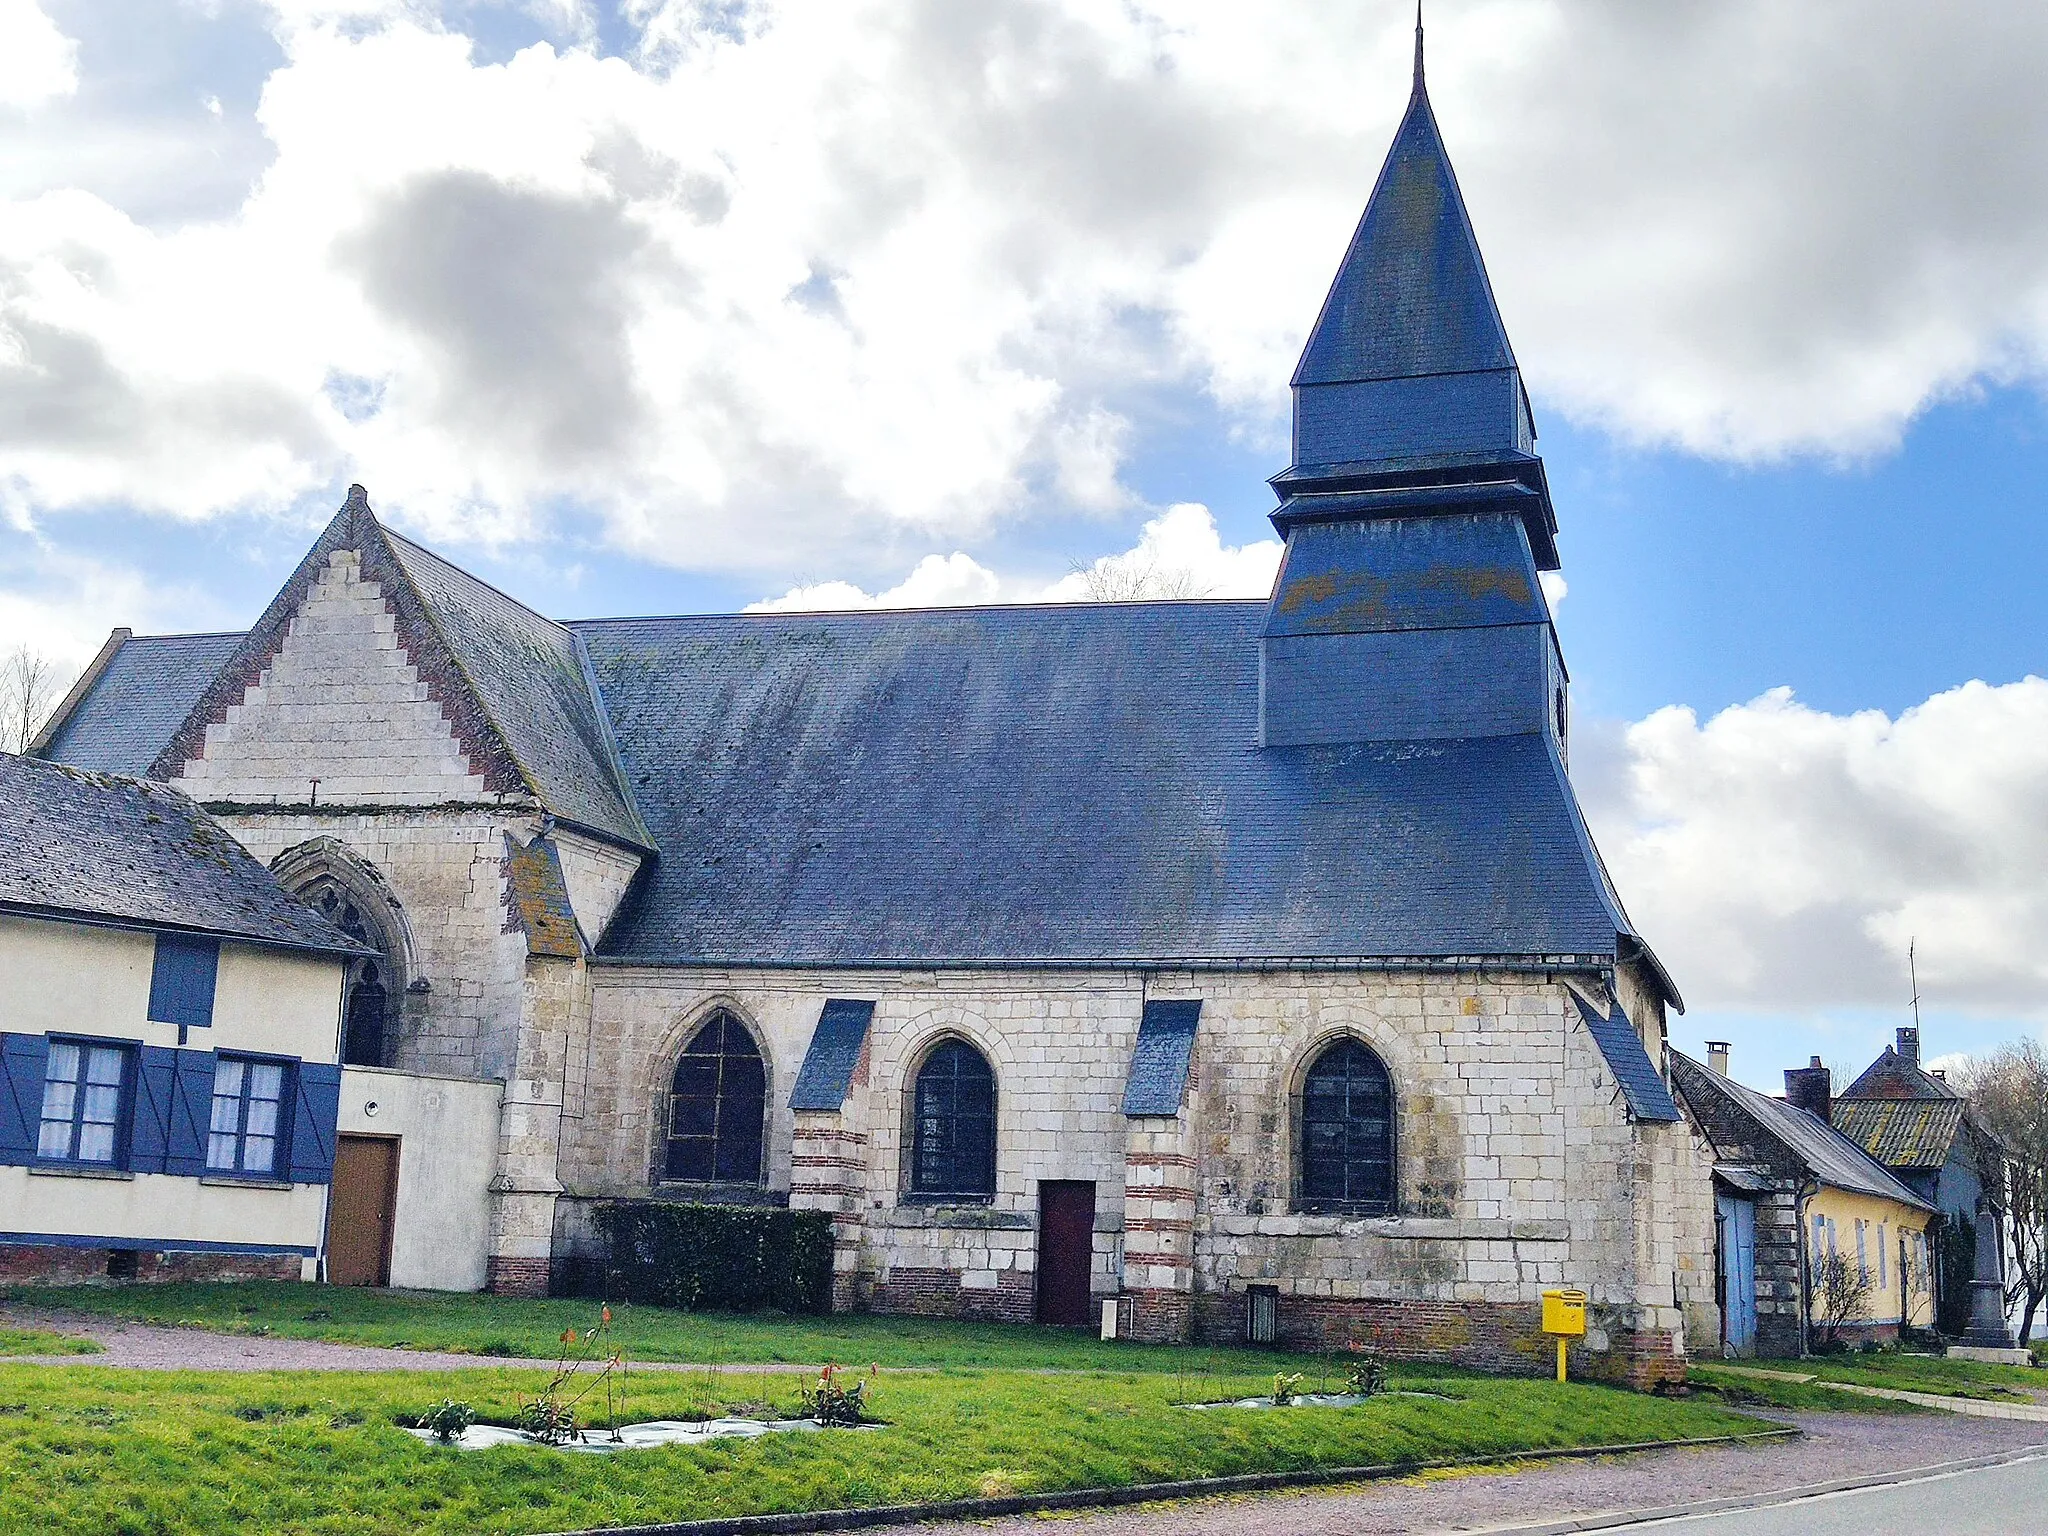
<point>1882,1244</point>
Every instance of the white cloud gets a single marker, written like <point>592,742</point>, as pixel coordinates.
<point>1178,554</point>
<point>37,61</point>
<point>1780,857</point>
<point>849,281</point>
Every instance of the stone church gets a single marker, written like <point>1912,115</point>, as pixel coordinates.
<point>1248,962</point>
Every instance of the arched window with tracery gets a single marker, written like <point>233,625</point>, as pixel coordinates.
<point>339,885</point>
<point>953,1125</point>
<point>717,1106</point>
<point>1347,1131</point>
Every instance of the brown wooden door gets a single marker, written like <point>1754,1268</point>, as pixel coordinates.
<point>360,1210</point>
<point>1066,1250</point>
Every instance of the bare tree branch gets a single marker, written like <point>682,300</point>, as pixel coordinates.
<point>30,686</point>
<point>2008,1093</point>
<point>1118,581</point>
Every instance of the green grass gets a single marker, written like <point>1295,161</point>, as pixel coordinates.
<point>34,1341</point>
<point>1740,1391</point>
<point>528,1329</point>
<point>88,1449</point>
<point>1928,1373</point>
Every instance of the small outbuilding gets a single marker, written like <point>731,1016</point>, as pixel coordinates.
<point>1796,1203</point>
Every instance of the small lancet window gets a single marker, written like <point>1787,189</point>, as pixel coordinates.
<point>1347,1132</point>
<point>717,1106</point>
<point>953,1151</point>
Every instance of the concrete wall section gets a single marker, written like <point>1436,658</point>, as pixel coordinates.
<point>448,1151</point>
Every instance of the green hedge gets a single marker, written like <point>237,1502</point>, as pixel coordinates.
<point>727,1258</point>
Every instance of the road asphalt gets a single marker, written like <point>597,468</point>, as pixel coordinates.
<point>1986,1501</point>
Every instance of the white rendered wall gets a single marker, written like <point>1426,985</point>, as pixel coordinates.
<point>447,1130</point>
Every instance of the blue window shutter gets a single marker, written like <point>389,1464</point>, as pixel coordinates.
<point>156,1089</point>
<point>316,1107</point>
<point>181,983</point>
<point>21,1096</point>
<point>191,1112</point>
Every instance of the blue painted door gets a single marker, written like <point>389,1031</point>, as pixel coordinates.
<point>1736,1224</point>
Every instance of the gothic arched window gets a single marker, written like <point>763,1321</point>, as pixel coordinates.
<point>717,1106</point>
<point>347,890</point>
<point>953,1125</point>
<point>1347,1131</point>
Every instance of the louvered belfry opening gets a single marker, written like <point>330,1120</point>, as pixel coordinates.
<point>1347,1132</point>
<point>717,1106</point>
<point>953,1155</point>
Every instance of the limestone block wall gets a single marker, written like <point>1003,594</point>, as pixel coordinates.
<point>341,702</point>
<point>446,869</point>
<point>1519,1165</point>
<point>597,875</point>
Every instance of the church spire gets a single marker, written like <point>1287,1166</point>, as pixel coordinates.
<point>1408,368</point>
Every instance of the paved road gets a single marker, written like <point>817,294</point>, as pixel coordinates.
<point>1836,1446</point>
<point>1991,1501</point>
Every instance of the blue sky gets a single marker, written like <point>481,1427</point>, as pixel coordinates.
<point>685,307</point>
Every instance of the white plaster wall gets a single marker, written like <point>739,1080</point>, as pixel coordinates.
<point>447,1153</point>
<point>69,978</point>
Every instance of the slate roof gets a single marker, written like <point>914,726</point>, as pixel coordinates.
<point>1642,1085</point>
<point>144,695</point>
<point>539,898</point>
<point>1058,783</point>
<point>834,1054</point>
<point>1825,1153</point>
<point>1411,298</point>
<point>1158,1077</point>
<point>103,846</point>
<point>1902,1133</point>
<point>1893,1076</point>
<point>529,674</point>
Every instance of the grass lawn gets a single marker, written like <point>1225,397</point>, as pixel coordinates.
<point>34,1341</point>
<point>1741,1391</point>
<point>527,1329</point>
<point>89,1449</point>
<point>1928,1373</point>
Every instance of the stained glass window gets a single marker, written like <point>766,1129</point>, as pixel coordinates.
<point>717,1106</point>
<point>954,1124</point>
<point>1347,1132</point>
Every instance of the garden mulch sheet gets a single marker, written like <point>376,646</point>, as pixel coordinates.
<point>1835,1445</point>
<point>145,1347</point>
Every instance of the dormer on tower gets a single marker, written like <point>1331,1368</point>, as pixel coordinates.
<point>1416,512</point>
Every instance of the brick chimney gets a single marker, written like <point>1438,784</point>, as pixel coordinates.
<point>1812,1088</point>
<point>1717,1056</point>
<point>1909,1042</point>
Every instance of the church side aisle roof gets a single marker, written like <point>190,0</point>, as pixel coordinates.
<point>1078,782</point>
<point>147,690</point>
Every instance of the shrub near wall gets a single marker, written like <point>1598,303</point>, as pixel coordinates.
<point>728,1258</point>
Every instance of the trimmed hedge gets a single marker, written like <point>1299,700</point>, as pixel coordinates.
<point>726,1258</point>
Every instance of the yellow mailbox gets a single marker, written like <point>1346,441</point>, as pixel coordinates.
<point>1564,1315</point>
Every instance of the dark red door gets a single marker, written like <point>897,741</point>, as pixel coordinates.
<point>1066,1250</point>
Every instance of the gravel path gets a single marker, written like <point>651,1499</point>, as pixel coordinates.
<point>146,1347</point>
<point>1836,1445</point>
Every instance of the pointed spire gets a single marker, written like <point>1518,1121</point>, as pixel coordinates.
<point>1408,369</point>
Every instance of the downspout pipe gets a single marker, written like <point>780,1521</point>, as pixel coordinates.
<point>1808,1188</point>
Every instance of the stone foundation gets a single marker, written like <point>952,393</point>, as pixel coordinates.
<point>1487,1336</point>
<point>940,1293</point>
<point>61,1264</point>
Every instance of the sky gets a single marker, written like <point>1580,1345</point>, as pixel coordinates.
<point>688,305</point>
